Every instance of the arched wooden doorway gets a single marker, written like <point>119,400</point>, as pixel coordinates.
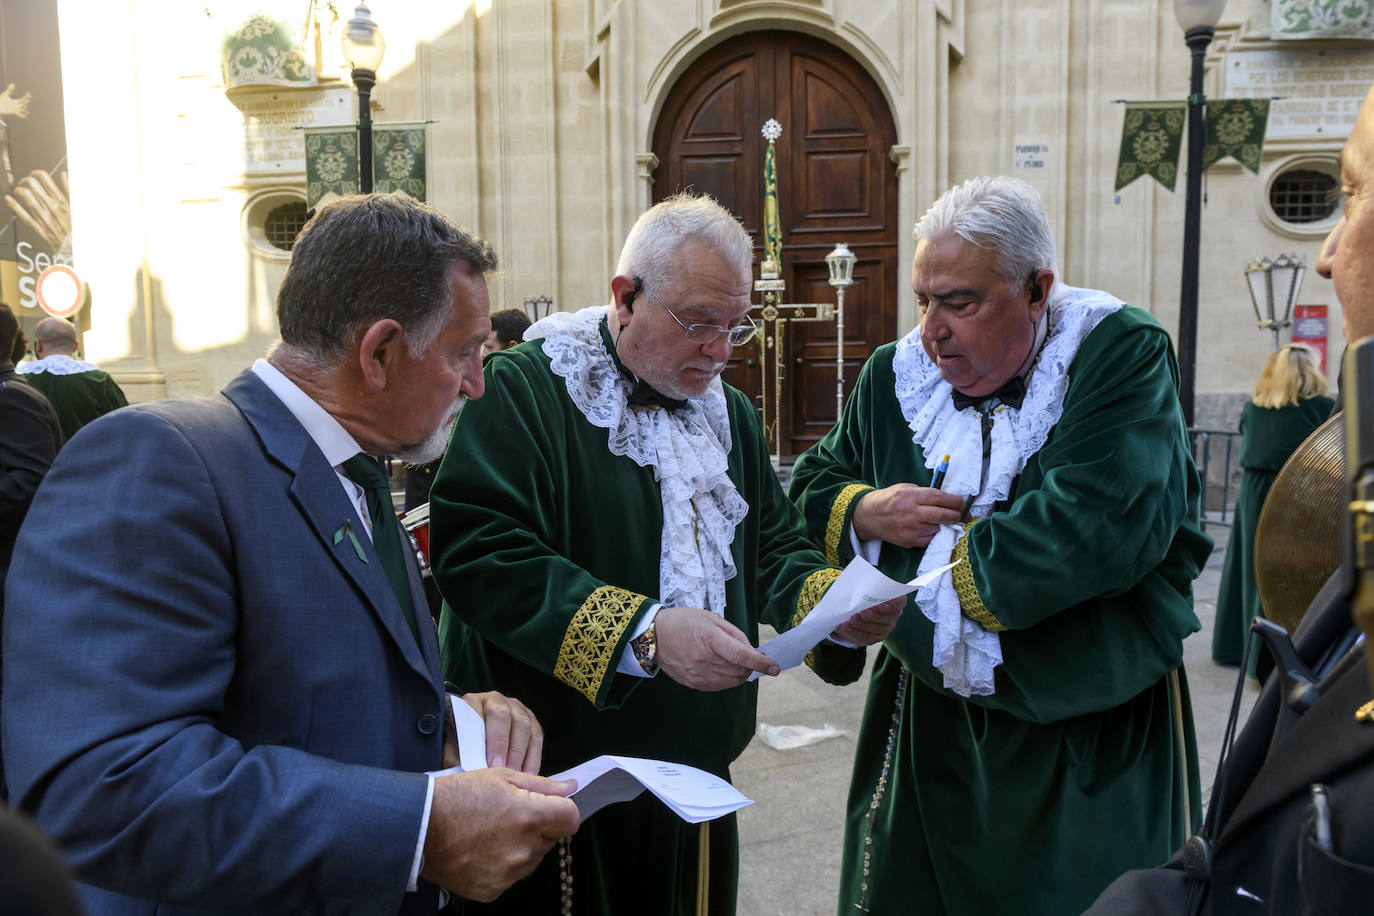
<point>835,184</point>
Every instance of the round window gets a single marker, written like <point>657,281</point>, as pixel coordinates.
<point>271,220</point>
<point>284,224</point>
<point>1304,195</point>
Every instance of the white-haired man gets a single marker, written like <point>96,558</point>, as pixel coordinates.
<point>615,514</point>
<point>1027,733</point>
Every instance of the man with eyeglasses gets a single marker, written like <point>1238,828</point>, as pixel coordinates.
<point>609,542</point>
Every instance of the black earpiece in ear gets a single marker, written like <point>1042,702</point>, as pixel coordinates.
<point>630,302</point>
<point>1036,294</point>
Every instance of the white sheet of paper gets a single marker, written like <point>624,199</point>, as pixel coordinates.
<point>860,585</point>
<point>472,735</point>
<point>694,795</point>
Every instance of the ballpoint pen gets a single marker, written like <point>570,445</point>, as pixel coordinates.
<point>940,470</point>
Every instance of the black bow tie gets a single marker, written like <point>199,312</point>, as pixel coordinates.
<point>642,394</point>
<point>1012,394</point>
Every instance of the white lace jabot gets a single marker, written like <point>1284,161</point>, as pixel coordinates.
<point>57,364</point>
<point>965,653</point>
<point>687,448</point>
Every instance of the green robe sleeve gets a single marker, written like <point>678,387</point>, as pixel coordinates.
<point>1090,569</point>
<point>1109,492</point>
<point>498,506</point>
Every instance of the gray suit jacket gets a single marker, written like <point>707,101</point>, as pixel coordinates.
<point>209,700</point>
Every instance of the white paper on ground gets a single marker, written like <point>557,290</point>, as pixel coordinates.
<point>694,795</point>
<point>860,585</point>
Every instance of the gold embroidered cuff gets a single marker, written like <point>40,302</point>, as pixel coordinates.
<point>811,591</point>
<point>969,601</point>
<point>589,643</point>
<point>839,513</point>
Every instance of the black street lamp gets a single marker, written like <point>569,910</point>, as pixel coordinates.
<point>363,47</point>
<point>1198,19</point>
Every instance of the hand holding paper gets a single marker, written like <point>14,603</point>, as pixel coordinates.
<point>704,651</point>
<point>694,795</point>
<point>859,586</point>
<point>872,624</point>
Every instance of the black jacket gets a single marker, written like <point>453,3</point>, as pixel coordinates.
<point>29,439</point>
<point>1265,858</point>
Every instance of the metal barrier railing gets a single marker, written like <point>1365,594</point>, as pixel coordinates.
<point>1201,441</point>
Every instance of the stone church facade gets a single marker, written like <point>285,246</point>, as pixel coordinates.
<point>552,123</point>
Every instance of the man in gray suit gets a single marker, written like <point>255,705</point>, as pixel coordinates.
<point>217,693</point>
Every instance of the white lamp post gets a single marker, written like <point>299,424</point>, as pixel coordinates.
<point>1274,289</point>
<point>841,265</point>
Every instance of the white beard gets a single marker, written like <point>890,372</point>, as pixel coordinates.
<point>436,442</point>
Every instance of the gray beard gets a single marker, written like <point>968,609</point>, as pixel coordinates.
<point>435,443</point>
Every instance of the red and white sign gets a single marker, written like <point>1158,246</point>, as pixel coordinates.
<point>60,291</point>
<point>1309,327</point>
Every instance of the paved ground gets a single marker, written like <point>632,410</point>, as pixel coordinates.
<point>790,836</point>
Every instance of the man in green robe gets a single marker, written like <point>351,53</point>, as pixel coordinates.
<point>1028,734</point>
<point>607,510</point>
<point>79,390</point>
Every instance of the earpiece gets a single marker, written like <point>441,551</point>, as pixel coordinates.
<point>630,302</point>
<point>1036,293</point>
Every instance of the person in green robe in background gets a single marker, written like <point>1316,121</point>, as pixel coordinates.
<point>1028,731</point>
<point>79,390</point>
<point>608,534</point>
<point>1289,402</point>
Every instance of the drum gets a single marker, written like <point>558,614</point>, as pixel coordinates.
<point>416,524</point>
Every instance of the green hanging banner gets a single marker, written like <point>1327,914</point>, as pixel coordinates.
<point>772,223</point>
<point>1235,127</point>
<point>1151,138</point>
<point>398,159</point>
<point>331,163</point>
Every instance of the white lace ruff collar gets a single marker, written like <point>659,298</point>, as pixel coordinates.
<point>57,364</point>
<point>965,653</point>
<point>687,448</point>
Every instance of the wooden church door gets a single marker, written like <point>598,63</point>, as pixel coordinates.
<point>836,183</point>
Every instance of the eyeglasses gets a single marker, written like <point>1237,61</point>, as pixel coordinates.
<point>738,334</point>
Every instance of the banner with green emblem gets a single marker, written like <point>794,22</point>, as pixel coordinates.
<point>331,163</point>
<point>1151,137</point>
<point>398,159</point>
<point>1303,19</point>
<point>1235,127</point>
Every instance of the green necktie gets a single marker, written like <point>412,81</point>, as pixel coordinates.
<point>386,538</point>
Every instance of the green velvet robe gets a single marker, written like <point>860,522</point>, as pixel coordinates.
<point>1081,764</point>
<point>547,552</point>
<point>78,398</point>
<point>1269,436</point>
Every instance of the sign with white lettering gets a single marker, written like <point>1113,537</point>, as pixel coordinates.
<point>1030,157</point>
<point>272,141</point>
<point>1318,92</point>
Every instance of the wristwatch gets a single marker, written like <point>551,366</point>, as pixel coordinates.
<point>645,648</point>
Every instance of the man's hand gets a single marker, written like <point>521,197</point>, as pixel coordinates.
<point>702,650</point>
<point>872,624</point>
<point>489,828</point>
<point>905,514</point>
<point>42,206</point>
<point>11,104</point>
<point>514,737</point>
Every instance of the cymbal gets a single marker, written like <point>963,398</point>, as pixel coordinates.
<point>1298,538</point>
